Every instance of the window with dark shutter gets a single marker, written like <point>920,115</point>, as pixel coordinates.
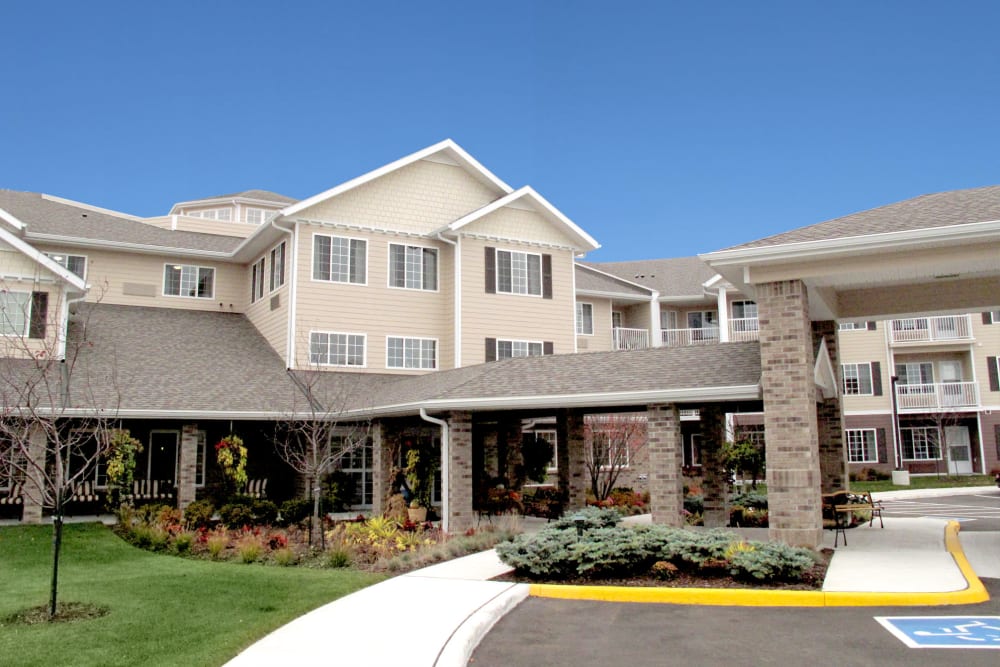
<point>870,325</point>
<point>491,270</point>
<point>491,349</point>
<point>39,314</point>
<point>548,347</point>
<point>883,452</point>
<point>994,373</point>
<point>546,276</point>
<point>876,378</point>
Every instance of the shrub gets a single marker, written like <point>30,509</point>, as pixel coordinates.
<point>151,513</point>
<point>771,561</point>
<point>249,547</point>
<point>236,514</point>
<point>339,558</point>
<point>664,570</point>
<point>695,504</point>
<point>183,542</point>
<point>264,512</point>
<point>199,514</point>
<point>216,543</point>
<point>284,557</point>
<point>295,510</point>
<point>753,499</point>
<point>593,517</point>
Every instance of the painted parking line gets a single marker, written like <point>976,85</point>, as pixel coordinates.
<point>976,632</point>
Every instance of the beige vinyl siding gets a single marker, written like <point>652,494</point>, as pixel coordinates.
<point>860,346</point>
<point>18,347</point>
<point>109,274</point>
<point>601,340</point>
<point>182,223</point>
<point>272,324</point>
<point>634,316</point>
<point>987,345</point>
<point>420,197</point>
<point>518,224</point>
<point>375,309</point>
<point>15,264</point>
<point>515,316</point>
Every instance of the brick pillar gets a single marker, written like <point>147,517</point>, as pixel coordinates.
<point>460,516</point>
<point>381,468</point>
<point>713,435</point>
<point>832,454</point>
<point>34,490</point>
<point>188,464</point>
<point>665,445</point>
<point>573,480</point>
<point>791,432</point>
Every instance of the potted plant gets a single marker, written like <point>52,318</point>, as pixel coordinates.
<point>417,477</point>
<point>416,512</point>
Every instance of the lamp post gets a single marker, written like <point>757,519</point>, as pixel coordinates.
<point>579,520</point>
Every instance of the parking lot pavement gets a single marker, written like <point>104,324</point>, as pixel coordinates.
<point>561,632</point>
<point>976,512</point>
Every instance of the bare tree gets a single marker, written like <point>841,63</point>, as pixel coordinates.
<point>317,435</point>
<point>613,443</point>
<point>56,409</point>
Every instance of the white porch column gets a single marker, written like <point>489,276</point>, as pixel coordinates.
<point>723,316</point>
<point>654,321</point>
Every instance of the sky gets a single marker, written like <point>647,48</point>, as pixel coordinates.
<point>664,129</point>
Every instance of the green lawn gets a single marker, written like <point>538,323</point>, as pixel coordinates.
<point>164,610</point>
<point>925,482</point>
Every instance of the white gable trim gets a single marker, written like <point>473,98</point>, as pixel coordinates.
<point>582,238</point>
<point>449,147</point>
<point>823,373</point>
<point>614,277</point>
<point>11,220</point>
<point>40,257</point>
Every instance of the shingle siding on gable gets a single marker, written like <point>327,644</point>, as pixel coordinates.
<point>518,224</point>
<point>420,198</point>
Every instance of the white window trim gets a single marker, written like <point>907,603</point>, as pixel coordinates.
<point>541,272</point>
<point>364,353</point>
<point>312,260</point>
<point>516,340</point>
<point>27,317</point>
<point>284,268</point>
<point>215,214</point>
<point>902,446</point>
<point>163,281</point>
<point>257,274</point>
<point>437,351</point>
<point>388,273</point>
<point>67,255</point>
<point>852,326</point>
<point>871,381</point>
<point>874,451</point>
<point>246,215</point>
<point>579,320</point>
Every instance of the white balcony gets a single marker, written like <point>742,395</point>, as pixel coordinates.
<point>931,329</point>
<point>936,396</point>
<point>629,339</point>
<point>681,337</point>
<point>743,329</point>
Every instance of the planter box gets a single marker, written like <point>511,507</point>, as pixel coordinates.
<point>901,477</point>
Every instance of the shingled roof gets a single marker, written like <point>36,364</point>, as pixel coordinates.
<point>260,195</point>
<point>672,277</point>
<point>943,209</point>
<point>47,217</point>
<point>590,279</point>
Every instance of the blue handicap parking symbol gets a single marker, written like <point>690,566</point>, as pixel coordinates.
<point>944,631</point>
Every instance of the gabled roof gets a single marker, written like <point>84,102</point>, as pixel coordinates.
<point>41,258</point>
<point>528,195</point>
<point>61,221</point>
<point>678,277</point>
<point>943,209</point>
<point>260,196</point>
<point>590,280</point>
<point>447,148</point>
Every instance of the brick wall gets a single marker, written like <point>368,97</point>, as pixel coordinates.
<point>666,498</point>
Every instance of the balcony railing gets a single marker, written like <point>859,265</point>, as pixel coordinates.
<point>629,339</point>
<point>937,396</point>
<point>680,337</point>
<point>743,329</point>
<point>930,329</point>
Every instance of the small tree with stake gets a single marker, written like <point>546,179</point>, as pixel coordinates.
<point>613,443</point>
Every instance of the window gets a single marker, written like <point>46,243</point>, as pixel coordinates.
<point>200,453</point>
<point>852,326</point>
<point>254,216</point>
<point>73,263</point>
<point>519,273</point>
<point>340,260</point>
<point>917,377</point>
<point>15,313</point>
<point>257,280</point>
<point>585,319</point>
<point>920,443</point>
<point>668,319</point>
<point>991,317</point>
<point>224,214</point>
<point>357,465</point>
<point>508,349</point>
<point>744,310</point>
<point>608,449</point>
<point>550,436</point>
<point>861,445</point>
<point>184,280</point>
<point>857,379</point>
<point>413,267</point>
<point>691,454</point>
<point>278,266</point>
<point>703,319</point>
<point>411,353</point>
<point>616,319</point>
<point>336,349</point>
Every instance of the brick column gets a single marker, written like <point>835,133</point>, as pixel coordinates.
<point>664,443</point>
<point>381,468</point>
<point>33,485</point>
<point>713,435</point>
<point>460,516</point>
<point>573,480</point>
<point>791,432</point>
<point>832,454</point>
<point>188,464</point>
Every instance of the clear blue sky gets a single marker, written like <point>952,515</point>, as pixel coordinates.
<point>662,128</point>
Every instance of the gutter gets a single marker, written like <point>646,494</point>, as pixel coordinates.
<point>137,247</point>
<point>445,466</point>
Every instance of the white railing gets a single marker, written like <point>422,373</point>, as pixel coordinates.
<point>926,329</point>
<point>629,339</point>
<point>937,396</point>
<point>742,329</point>
<point>680,337</point>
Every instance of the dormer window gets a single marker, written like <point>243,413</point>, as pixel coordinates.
<point>223,214</point>
<point>254,216</point>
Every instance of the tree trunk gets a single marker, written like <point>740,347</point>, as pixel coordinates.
<point>57,525</point>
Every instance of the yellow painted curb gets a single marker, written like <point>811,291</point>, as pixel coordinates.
<point>746,597</point>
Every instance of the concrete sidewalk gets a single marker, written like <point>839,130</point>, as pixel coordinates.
<point>436,616</point>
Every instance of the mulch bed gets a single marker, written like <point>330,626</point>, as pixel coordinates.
<point>65,612</point>
<point>811,581</point>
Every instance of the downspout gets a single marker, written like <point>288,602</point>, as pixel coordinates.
<point>445,466</point>
<point>457,286</point>
<point>64,330</point>
<point>292,260</point>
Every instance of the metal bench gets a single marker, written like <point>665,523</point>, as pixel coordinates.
<point>256,488</point>
<point>841,506</point>
<point>151,489</point>
<point>15,495</point>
